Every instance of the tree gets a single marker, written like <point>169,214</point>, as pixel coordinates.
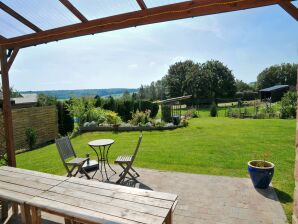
<point>45,100</point>
<point>288,105</point>
<point>152,91</point>
<point>242,86</point>
<point>142,92</point>
<point>176,78</point>
<point>284,74</point>
<point>221,79</point>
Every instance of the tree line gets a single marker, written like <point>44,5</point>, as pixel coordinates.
<point>213,80</point>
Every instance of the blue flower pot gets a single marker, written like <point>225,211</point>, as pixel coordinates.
<point>260,176</point>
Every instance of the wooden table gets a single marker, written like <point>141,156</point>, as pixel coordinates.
<point>19,186</point>
<point>81,200</point>
<point>103,146</point>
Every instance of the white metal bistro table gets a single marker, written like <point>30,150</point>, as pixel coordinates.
<point>102,146</point>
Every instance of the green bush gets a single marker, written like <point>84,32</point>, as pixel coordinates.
<point>140,118</point>
<point>112,117</point>
<point>144,105</point>
<point>31,137</point>
<point>288,105</point>
<point>166,113</point>
<point>191,113</point>
<point>125,109</point>
<point>45,100</point>
<point>98,115</point>
<point>65,120</point>
<point>213,110</point>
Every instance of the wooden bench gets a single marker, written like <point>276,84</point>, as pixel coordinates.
<point>86,201</point>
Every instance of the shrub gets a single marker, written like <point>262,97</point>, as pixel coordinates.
<point>80,108</point>
<point>143,105</point>
<point>213,110</point>
<point>65,120</point>
<point>191,113</point>
<point>112,117</point>
<point>98,115</point>
<point>140,118</point>
<point>247,95</point>
<point>288,105</point>
<point>125,109</point>
<point>184,122</point>
<point>30,137</point>
<point>166,113</point>
<point>45,100</point>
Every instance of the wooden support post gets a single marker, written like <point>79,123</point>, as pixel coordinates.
<point>295,206</point>
<point>36,215</point>
<point>7,114</point>
<point>169,218</point>
<point>25,214</point>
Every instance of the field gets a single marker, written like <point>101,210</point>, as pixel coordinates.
<point>215,146</point>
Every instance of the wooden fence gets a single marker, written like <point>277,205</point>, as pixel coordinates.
<point>43,120</point>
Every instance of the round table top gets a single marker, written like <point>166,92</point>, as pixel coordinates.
<point>101,142</point>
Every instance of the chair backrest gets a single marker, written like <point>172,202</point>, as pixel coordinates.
<point>137,148</point>
<point>65,148</point>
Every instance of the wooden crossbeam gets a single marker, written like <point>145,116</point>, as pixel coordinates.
<point>289,8</point>
<point>12,57</point>
<point>74,10</point>
<point>142,4</point>
<point>19,17</point>
<point>148,16</point>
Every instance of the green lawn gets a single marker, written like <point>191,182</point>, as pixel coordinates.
<point>216,146</point>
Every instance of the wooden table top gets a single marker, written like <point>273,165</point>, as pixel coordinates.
<point>90,200</point>
<point>101,142</point>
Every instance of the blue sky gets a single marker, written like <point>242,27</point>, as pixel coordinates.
<point>246,41</point>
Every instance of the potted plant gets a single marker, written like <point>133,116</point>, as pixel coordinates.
<point>261,172</point>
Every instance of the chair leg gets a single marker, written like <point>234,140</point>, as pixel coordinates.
<point>80,168</point>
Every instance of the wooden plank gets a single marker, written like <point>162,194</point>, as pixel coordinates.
<point>175,11</point>
<point>157,211</point>
<point>119,195</point>
<point>74,10</point>
<point>289,8</point>
<point>14,196</point>
<point>12,58</point>
<point>19,17</point>
<point>26,183</point>
<point>19,188</point>
<point>7,114</point>
<point>113,211</point>
<point>123,189</point>
<point>33,173</point>
<point>70,211</point>
<point>30,178</point>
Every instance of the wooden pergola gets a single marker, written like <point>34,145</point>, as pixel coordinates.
<point>11,44</point>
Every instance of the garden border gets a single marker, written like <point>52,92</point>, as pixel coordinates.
<point>135,128</point>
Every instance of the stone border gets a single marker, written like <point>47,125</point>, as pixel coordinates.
<point>135,128</point>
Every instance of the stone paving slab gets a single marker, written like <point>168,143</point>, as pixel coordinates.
<point>208,199</point>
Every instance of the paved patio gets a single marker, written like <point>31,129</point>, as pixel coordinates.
<point>209,199</point>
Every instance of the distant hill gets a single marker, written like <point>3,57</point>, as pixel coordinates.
<point>66,94</point>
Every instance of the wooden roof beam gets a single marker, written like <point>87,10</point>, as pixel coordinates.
<point>142,4</point>
<point>175,11</point>
<point>19,17</point>
<point>74,10</point>
<point>289,8</point>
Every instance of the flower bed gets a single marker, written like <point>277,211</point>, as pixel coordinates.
<point>128,128</point>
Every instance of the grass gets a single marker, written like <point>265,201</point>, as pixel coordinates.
<point>215,146</point>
